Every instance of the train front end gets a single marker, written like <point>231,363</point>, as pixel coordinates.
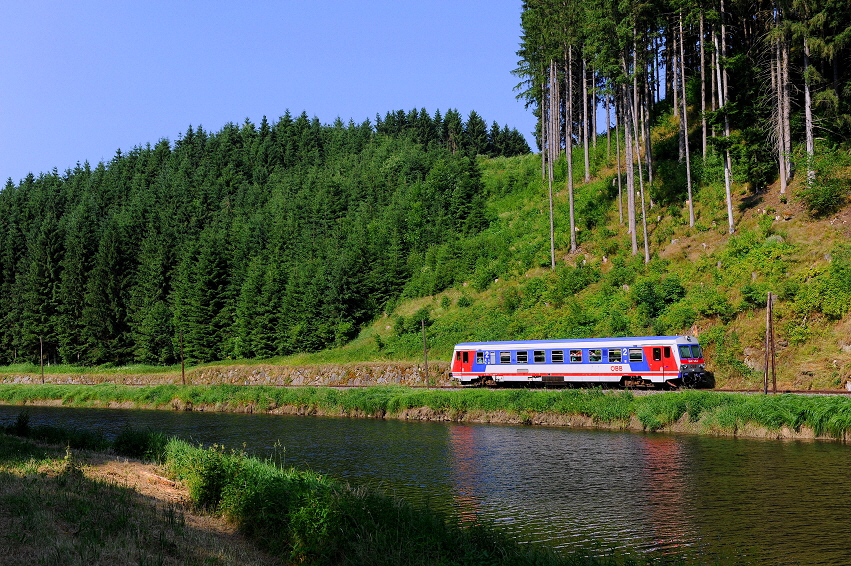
<point>693,372</point>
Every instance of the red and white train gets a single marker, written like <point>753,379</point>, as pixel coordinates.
<point>635,361</point>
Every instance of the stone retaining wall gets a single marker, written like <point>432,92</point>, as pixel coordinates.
<point>353,375</point>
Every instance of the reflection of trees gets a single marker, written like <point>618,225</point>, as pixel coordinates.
<point>466,473</point>
<point>665,480</point>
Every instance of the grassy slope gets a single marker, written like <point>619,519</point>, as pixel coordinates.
<point>777,247</point>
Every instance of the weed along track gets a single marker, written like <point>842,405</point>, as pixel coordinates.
<point>695,412</point>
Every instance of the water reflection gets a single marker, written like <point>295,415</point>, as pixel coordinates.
<point>708,499</point>
<point>665,461</point>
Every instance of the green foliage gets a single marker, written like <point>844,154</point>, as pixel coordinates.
<point>142,444</point>
<point>710,303</point>
<point>828,192</point>
<point>827,291</point>
<point>652,295</point>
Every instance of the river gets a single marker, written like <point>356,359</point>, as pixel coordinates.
<point>709,500</point>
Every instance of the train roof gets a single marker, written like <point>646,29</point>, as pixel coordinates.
<point>580,342</point>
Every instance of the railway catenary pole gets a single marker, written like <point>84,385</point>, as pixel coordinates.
<point>770,354</point>
<point>425,351</point>
<point>182,363</point>
<point>773,351</point>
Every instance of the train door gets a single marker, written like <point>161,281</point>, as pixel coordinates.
<point>661,360</point>
<point>669,363</point>
<point>463,361</point>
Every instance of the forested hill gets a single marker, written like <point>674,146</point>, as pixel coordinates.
<point>247,242</point>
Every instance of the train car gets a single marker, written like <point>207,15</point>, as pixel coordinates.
<point>642,361</point>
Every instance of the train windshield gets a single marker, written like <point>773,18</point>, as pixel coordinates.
<point>692,351</point>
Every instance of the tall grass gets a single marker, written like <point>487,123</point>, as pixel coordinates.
<point>714,412</point>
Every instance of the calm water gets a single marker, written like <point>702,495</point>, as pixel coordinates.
<point>709,499</point>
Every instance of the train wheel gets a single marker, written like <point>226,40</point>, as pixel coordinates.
<point>488,381</point>
<point>690,381</point>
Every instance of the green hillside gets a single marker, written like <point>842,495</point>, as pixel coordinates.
<point>699,280</point>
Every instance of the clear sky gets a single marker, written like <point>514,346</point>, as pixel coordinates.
<point>81,79</point>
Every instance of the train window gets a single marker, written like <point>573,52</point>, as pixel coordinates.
<point>505,357</point>
<point>695,351</point>
<point>557,356</point>
<point>614,356</point>
<point>667,351</point>
<point>540,357</point>
<point>480,357</point>
<point>635,355</point>
<point>576,356</point>
<point>466,357</point>
<point>685,351</point>
<point>595,356</point>
<point>458,356</point>
<point>657,354</point>
<point>523,357</point>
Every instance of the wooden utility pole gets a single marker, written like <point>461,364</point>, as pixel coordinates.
<point>425,350</point>
<point>182,365</point>
<point>770,354</point>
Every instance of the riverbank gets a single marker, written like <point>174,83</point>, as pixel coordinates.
<point>82,507</point>
<point>203,506</point>
<point>784,416</point>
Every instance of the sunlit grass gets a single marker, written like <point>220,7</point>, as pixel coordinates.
<point>708,410</point>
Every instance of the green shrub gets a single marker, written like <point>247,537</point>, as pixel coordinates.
<point>828,192</point>
<point>141,444</point>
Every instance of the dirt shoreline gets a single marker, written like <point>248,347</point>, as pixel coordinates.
<point>681,426</point>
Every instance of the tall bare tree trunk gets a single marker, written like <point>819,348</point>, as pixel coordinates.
<point>728,164</point>
<point>672,78</point>
<point>585,119</point>
<point>618,154</point>
<point>569,148</point>
<point>630,172</point>
<point>593,109</point>
<point>636,129</point>
<point>648,143</point>
<point>808,116</point>
<point>702,82</point>
<point>777,85</point>
<point>787,108</point>
<point>550,145</point>
<point>608,128</point>
<point>685,124</point>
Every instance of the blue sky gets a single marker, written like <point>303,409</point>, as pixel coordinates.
<point>82,79</point>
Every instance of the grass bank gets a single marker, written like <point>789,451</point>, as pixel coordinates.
<point>58,508</point>
<point>53,513</point>
<point>705,412</point>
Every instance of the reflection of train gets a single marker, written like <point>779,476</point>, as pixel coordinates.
<point>644,361</point>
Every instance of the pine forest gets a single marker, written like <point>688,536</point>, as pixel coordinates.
<point>247,242</point>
